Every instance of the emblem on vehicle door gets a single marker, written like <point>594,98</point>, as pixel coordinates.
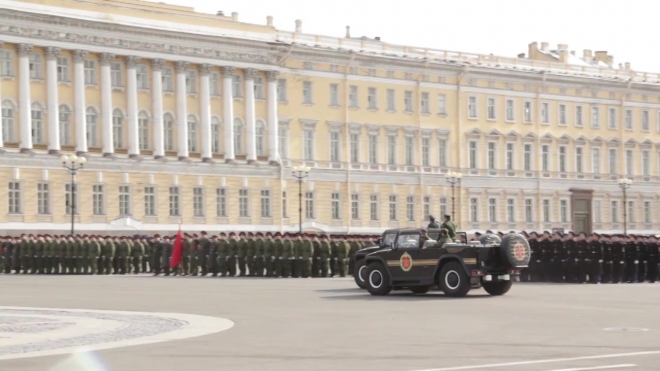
<point>406,262</point>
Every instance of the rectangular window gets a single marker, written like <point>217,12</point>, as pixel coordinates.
<point>473,154</point>
<point>284,208</point>
<point>35,66</point>
<point>598,208</point>
<point>243,203</point>
<point>355,206</point>
<point>150,201</point>
<point>613,165</point>
<point>631,211</point>
<point>611,118</point>
<point>443,206</point>
<point>442,153</point>
<point>472,107</point>
<point>124,200</point>
<point>492,210</point>
<point>391,150</point>
<point>353,96</point>
<point>6,62</point>
<point>334,94</point>
<point>307,92</point>
<point>265,203</point>
<point>647,212</point>
<point>198,201</point>
<point>527,156</point>
<point>628,119</point>
<point>63,69</point>
<point>392,208</point>
<point>372,98</point>
<point>490,108</point>
<point>491,156</point>
<point>259,88</point>
<point>510,210</point>
<point>334,147</point>
<point>595,160</point>
<point>214,84</point>
<point>562,159</point>
<point>283,138</point>
<point>236,86</point>
<point>579,116</point>
<point>15,203</point>
<point>115,74</point>
<point>191,82</point>
<point>545,113</point>
<point>373,149</point>
<point>529,210</point>
<point>221,202</point>
<point>408,101</point>
<point>442,104</point>
<point>474,210</point>
<point>391,106</point>
<point>630,165</point>
<point>166,78</point>
<point>578,160</point>
<point>410,208</point>
<point>43,198</point>
<point>545,157</point>
<point>355,148</point>
<point>71,203</point>
<point>141,71</point>
<point>308,137</point>
<point>90,72</point>
<point>595,117</point>
<point>614,210</point>
<point>563,211</point>
<point>309,205</point>
<point>373,207</point>
<point>510,110</point>
<point>509,156</point>
<point>646,163</point>
<point>527,111</point>
<point>281,90</point>
<point>8,122</point>
<point>562,114</point>
<point>425,103</point>
<point>175,201</point>
<point>98,199</point>
<point>645,120</point>
<point>425,152</point>
<point>334,207</point>
<point>409,150</point>
<point>546,211</point>
<point>427,207</point>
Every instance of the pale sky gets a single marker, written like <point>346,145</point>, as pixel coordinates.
<point>627,29</point>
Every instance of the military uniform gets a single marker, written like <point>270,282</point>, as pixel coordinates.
<point>259,255</point>
<point>203,250</point>
<point>343,251</point>
<point>156,255</point>
<point>137,252</point>
<point>643,259</point>
<point>241,246</point>
<point>595,259</point>
<point>223,255</point>
<point>450,226</point>
<point>324,254</point>
<point>270,257</point>
<point>166,255</point>
<point>653,249</point>
<point>212,262</point>
<point>582,247</point>
<point>233,254</point>
<point>618,263</point>
<point>631,260</point>
<point>250,255</point>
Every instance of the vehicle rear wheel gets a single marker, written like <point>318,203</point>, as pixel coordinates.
<point>378,279</point>
<point>497,288</point>
<point>359,274</point>
<point>420,289</point>
<point>453,280</point>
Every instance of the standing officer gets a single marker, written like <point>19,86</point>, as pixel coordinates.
<point>316,254</point>
<point>608,263</point>
<point>156,254</point>
<point>233,254</point>
<point>166,255</point>
<point>241,245</point>
<point>653,249</point>
<point>343,251</point>
<point>250,253</point>
<point>450,226</point>
<point>107,255</point>
<point>308,252</point>
<point>595,259</point>
<point>190,265</point>
<point>643,258</point>
<point>432,222</point>
<point>269,255</point>
<point>324,254</point>
<point>281,264</point>
<point>259,254</point>
<point>212,259</point>
<point>631,258</point>
<point>531,274</point>
<point>93,253</point>
<point>583,258</point>
<point>146,258</point>
<point>618,256</point>
<point>203,250</point>
<point>334,255</point>
<point>39,254</point>
<point>26,254</point>
<point>137,252</point>
<point>296,266</point>
<point>7,251</point>
<point>223,254</point>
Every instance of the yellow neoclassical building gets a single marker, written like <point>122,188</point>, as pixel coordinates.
<point>198,120</point>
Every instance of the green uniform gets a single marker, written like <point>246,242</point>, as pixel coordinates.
<point>259,257</point>
<point>433,224</point>
<point>26,255</point>
<point>343,251</point>
<point>156,256</point>
<point>121,255</point>
<point>108,255</point>
<point>166,255</point>
<point>334,256</point>
<point>305,255</point>
<point>193,261</point>
<point>146,258</point>
<point>93,254</point>
<point>60,254</point>
<point>351,256</point>
<point>279,262</point>
<point>223,255</point>
<point>287,257</point>
<point>233,255</point>
<point>251,256</point>
<point>242,252</point>
<point>451,229</point>
<point>186,255</point>
<point>39,256</point>
<point>268,257</point>
<point>137,253</point>
<point>78,251</point>
<point>47,256</point>
<point>203,250</point>
<point>442,240</point>
<point>324,254</point>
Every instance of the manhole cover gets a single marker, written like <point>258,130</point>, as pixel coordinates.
<point>628,329</point>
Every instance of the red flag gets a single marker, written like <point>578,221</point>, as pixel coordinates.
<point>177,250</point>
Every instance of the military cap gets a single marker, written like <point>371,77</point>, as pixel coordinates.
<point>232,233</point>
<point>431,217</point>
<point>241,234</point>
<point>423,230</point>
<point>447,216</point>
<point>268,234</point>
<point>195,235</point>
<point>223,234</point>
<point>203,232</point>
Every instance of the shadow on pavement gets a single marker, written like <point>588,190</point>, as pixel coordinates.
<point>402,297</point>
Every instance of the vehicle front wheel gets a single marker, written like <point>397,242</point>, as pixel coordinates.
<point>378,279</point>
<point>420,289</point>
<point>453,280</point>
<point>359,274</point>
<point>497,288</point>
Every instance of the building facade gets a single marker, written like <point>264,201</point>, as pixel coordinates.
<point>197,120</point>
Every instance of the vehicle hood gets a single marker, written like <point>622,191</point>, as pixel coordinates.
<point>368,250</point>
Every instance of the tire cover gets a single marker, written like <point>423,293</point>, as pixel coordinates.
<point>490,239</point>
<point>515,250</point>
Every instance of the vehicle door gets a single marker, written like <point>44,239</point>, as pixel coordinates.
<point>402,259</point>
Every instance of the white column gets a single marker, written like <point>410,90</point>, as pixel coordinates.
<point>79,100</point>
<point>205,103</point>
<point>228,108</point>
<point>106,104</point>
<point>2,141</point>
<point>182,112</point>
<point>249,115</point>
<point>132,106</point>
<point>273,121</point>
<point>53,101</point>
<point>24,104</point>
<point>157,96</point>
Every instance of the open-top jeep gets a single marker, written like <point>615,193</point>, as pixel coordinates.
<point>403,263</point>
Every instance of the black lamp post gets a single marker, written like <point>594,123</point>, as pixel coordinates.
<point>453,179</point>
<point>625,183</point>
<point>73,163</point>
<point>300,173</point>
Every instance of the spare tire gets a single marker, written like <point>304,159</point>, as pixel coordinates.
<point>515,250</point>
<point>490,239</point>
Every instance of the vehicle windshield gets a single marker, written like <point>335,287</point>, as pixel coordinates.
<point>388,240</point>
<point>408,241</point>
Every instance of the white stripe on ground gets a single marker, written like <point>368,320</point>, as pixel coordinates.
<point>597,368</point>
<point>541,361</point>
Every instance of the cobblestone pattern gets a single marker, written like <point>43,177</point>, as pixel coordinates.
<point>134,326</point>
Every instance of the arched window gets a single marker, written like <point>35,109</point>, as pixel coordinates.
<point>192,133</point>
<point>168,137</point>
<point>8,112</point>
<point>259,138</point>
<point>37,124</point>
<point>143,130</point>
<point>118,129</point>
<point>215,135</point>
<point>91,120</point>
<point>238,136</point>
<point>65,125</point>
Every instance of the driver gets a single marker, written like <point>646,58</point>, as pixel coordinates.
<point>423,238</point>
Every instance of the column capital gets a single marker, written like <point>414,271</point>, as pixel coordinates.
<point>106,58</point>
<point>79,55</point>
<point>272,75</point>
<point>250,73</point>
<point>181,66</point>
<point>157,64</point>
<point>132,61</point>
<point>52,52</point>
<point>205,69</point>
<point>227,71</point>
<point>23,49</point>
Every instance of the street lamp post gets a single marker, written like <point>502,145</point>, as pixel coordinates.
<point>73,163</point>
<point>300,173</point>
<point>625,183</point>
<point>453,178</point>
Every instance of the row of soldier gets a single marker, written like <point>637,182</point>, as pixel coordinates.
<point>242,254</point>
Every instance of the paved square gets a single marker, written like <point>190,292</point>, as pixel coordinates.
<point>328,324</point>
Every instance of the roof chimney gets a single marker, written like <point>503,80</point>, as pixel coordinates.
<point>545,46</point>
<point>377,38</point>
<point>627,66</point>
<point>269,20</point>
<point>586,53</point>
<point>348,31</point>
<point>234,16</point>
<point>562,47</point>
<point>572,52</point>
<point>298,26</point>
<point>220,12</point>
<point>521,55</point>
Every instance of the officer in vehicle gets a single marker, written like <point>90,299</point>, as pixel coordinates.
<point>443,239</point>
<point>423,237</point>
<point>450,226</point>
<point>432,222</point>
